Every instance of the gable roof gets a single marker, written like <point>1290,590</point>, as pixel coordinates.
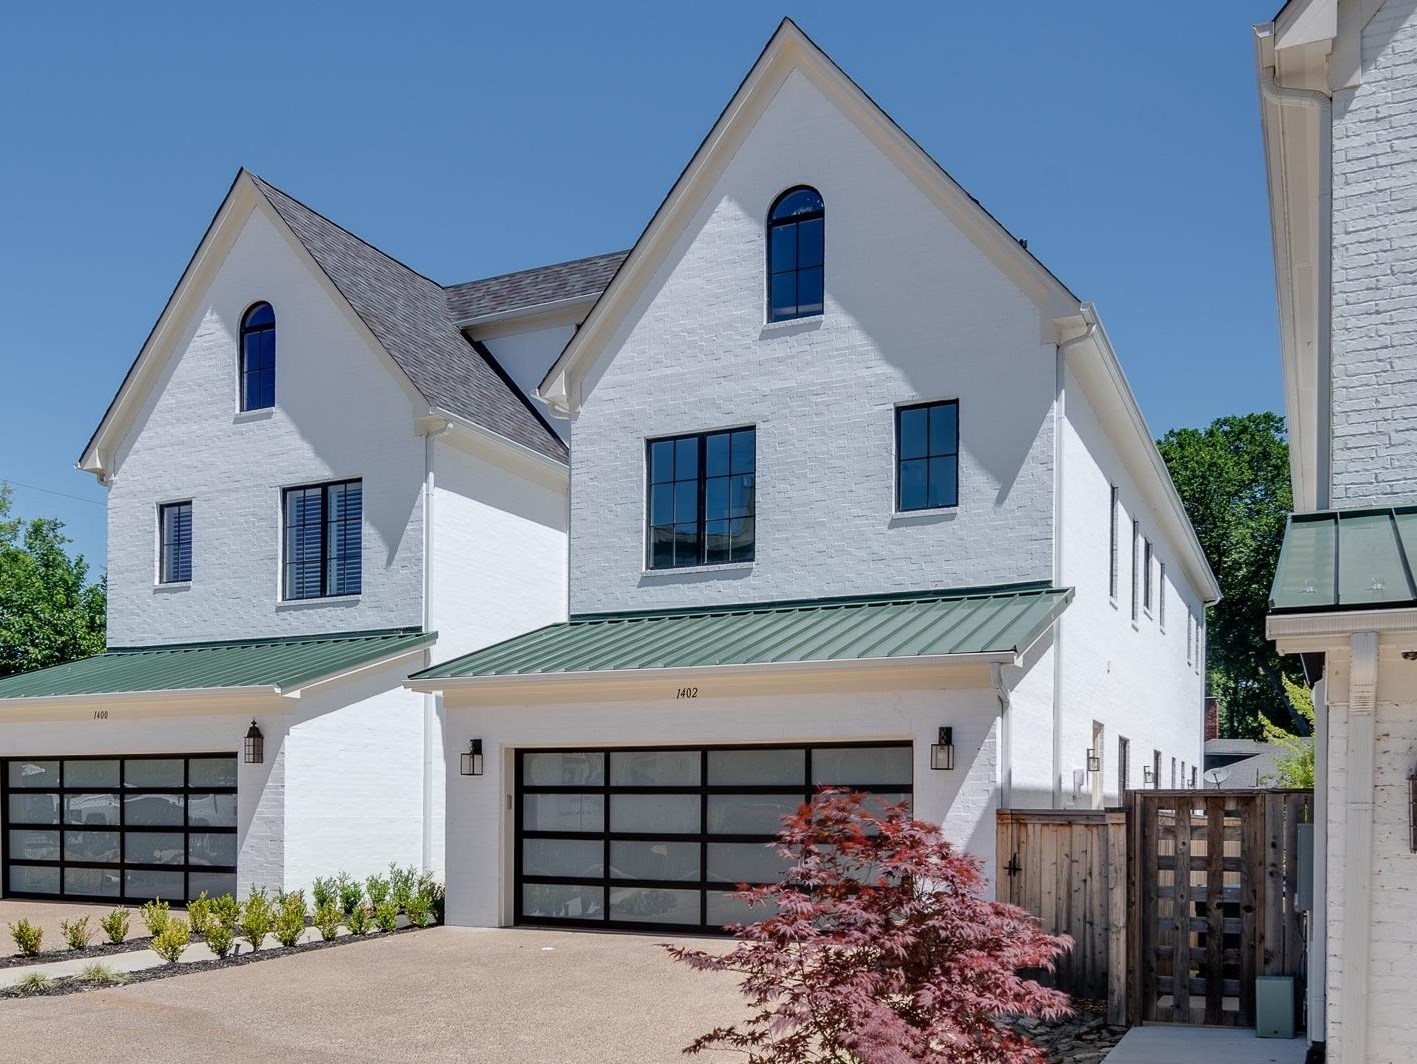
<point>790,49</point>
<point>409,316</point>
<point>527,290</point>
<point>406,313</point>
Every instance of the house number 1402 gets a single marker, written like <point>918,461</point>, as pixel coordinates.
<point>688,692</point>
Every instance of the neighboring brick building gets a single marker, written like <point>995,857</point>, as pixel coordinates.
<point>769,586</point>
<point>1338,81</point>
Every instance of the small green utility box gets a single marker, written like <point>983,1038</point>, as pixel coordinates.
<point>1274,1006</point>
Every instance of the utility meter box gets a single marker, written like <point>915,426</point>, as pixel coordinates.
<point>1274,1006</point>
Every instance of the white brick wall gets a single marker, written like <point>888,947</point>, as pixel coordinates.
<point>191,443</point>
<point>1375,268</point>
<point>914,311</point>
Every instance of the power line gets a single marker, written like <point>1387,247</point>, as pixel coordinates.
<point>49,491</point>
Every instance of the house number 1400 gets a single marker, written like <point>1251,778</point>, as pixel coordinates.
<point>100,714</point>
<point>688,692</point>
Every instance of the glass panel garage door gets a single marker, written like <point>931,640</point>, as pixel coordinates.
<point>660,838</point>
<point>134,828</point>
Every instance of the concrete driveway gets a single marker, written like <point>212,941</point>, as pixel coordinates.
<point>446,994</point>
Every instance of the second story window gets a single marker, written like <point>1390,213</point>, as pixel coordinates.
<point>1147,592</point>
<point>323,546</point>
<point>174,523</point>
<point>701,499</point>
<point>1112,576</point>
<point>927,456</point>
<point>796,254</point>
<point>258,358</point>
<point>1136,567</point>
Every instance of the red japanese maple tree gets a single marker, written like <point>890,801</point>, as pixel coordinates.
<point>879,947</point>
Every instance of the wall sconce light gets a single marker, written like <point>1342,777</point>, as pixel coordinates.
<point>1148,776</point>
<point>942,753</point>
<point>255,745</point>
<point>1094,760</point>
<point>472,760</point>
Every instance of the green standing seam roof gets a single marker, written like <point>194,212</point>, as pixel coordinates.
<point>275,663</point>
<point>921,624</point>
<point>1347,559</point>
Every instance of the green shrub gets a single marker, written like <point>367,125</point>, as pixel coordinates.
<point>77,933</point>
<point>27,937</point>
<point>219,938</point>
<point>257,918</point>
<point>386,916</point>
<point>419,910</point>
<point>34,983</point>
<point>172,941</point>
<point>403,884</point>
<point>226,911</point>
<point>351,893</point>
<point>434,891</point>
<point>288,897</point>
<point>115,925</point>
<point>325,891</point>
<point>377,888</point>
<point>358,920</point>
<point>98,972</point>
<point>290,919</point>
<point>327,920</point>
<point>199,914</point>
<point>155,916</point>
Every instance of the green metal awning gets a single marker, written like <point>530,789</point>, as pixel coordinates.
<point>275,665</point>
<point>1347,559</point>
<point>999,622</point>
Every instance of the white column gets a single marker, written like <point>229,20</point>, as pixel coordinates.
<point>1359,769</point>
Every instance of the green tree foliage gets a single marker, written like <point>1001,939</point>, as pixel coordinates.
<point>49,611</point>
<point>1233,477</point>
<point>1296,765</point>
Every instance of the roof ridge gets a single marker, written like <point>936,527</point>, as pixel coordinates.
<point>320,637</point>
<point>535,269</point>
<point>267,186</point>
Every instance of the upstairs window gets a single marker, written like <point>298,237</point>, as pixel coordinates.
<point>1136,567</point>
<point>174,522</point>
<point>1147,593</point>
<point>1161,596</point>
<point>796,254</point>
<point>927,456</point>
<point>258,358</point>
<point>1112,576</point>
<point>323,540</point>
<point>701,507</point>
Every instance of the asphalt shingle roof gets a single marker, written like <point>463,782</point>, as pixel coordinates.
<point>409,315</point>
<point>533,288</point>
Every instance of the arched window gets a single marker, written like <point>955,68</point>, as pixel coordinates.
<point>258,358</point>
<point>795,254</point>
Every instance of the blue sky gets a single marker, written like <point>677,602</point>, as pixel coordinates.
<point>473,139</point>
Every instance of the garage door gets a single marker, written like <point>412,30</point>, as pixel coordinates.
<point>660,838</point>
<point>130,829</point>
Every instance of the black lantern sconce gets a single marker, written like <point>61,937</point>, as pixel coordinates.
<point>1094,760</point>
<point>472,760</point>
<point>255,745</point>
<point>942,753</point>
<point>1148,775</point>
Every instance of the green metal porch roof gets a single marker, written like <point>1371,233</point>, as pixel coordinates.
<point>1347,559</point>
<point>280,664</point>
<point>924,624</point>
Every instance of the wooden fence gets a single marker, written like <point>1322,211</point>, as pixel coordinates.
<point>1069,868</point>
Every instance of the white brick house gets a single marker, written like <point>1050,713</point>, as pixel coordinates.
<point>285,545</point>
<point>779,578</point>
<point>1337,83</point>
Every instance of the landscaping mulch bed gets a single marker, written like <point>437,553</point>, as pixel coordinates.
<point>1084,1038</point>
<point>74,985</point>
<point>105,949</point>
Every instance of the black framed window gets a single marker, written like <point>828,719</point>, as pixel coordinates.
<point>1136,567</point>
<point>1124,757</point>
<point>258,358</point>
<point>323,541</point>
<point>132,828</point>
<point>796,254</point>
<point>1112,573</point>
<point>1146,584</point>
<point>174,521</point>
<point>927,456</point>
<point>701,506</point>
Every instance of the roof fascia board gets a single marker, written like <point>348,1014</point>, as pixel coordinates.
<point>243,694</point>
<point>484,443</point>
<point>789,49</point>
<point>1117,408</point>
<point>569,680</point>
<point>295,688</point>
<point>212,249</point>
<point>1320,631</point>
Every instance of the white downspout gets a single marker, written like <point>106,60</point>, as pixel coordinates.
<point>1060,420</point>
<point>430,700</point>
<point>1321,103</point>
<point>1001,689</point>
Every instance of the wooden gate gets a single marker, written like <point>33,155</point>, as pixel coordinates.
<point>1069,868</point>
<point>1212,901</point>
